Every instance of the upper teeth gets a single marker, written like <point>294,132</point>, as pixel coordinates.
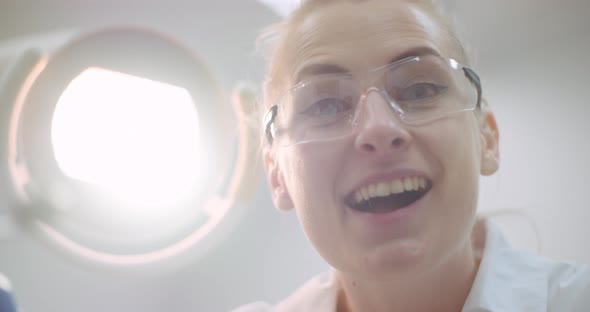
<point>383,189</point>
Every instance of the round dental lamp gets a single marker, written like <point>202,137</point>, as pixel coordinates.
<point>82,214</point>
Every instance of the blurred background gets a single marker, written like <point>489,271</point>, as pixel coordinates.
<point>532,57</point>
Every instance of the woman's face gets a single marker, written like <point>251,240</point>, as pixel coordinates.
<point>319,179</point>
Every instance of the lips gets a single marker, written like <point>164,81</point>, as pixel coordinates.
<point>389,195</point>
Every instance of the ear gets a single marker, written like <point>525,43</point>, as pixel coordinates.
<point>274,174</point>
<point>490,148</point>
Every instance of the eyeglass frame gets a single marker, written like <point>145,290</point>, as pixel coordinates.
<point>271,114</point>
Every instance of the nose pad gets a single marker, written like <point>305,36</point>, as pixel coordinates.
<point>379,126</point>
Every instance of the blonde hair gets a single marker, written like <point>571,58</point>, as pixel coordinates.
<point>273,41</point>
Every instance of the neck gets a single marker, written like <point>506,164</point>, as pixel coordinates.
<point>443,288</point>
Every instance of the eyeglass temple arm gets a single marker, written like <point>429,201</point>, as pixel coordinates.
<point>474,78</point>
<point>269,118</point>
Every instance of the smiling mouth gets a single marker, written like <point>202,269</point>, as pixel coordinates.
<point>389,196</point>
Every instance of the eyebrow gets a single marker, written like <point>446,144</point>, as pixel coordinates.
<point>327,68</point>
<point>419,51</point>
<point>320,69</point>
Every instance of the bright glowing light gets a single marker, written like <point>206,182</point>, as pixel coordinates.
<point>135,139</point>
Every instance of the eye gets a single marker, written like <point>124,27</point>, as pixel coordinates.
<point>420,91</point>
<point>328,107</point>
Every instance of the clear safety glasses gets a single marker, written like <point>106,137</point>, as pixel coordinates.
<point>419,89</point>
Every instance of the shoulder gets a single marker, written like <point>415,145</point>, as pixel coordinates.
<point>514,280</point>
<point>569,287</point>
<point>564,285</point>
<point>317,294</point>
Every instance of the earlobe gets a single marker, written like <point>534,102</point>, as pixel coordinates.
<point>490,153</point>
<point>280,194</point>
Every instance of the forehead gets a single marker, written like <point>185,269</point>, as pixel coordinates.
<point>362,35</point>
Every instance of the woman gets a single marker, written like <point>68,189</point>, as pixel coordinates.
<point>376,136</point>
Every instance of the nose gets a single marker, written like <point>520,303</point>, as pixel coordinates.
<point>379,129</point>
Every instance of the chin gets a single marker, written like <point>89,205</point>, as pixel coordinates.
<point>403,256</point>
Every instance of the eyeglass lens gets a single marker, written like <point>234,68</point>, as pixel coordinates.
<point>419,89</point>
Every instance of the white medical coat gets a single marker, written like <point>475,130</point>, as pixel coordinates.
<point>508,280</point>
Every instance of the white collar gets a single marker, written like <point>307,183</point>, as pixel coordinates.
<point>506,280</point>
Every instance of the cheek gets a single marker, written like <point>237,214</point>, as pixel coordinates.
<point>312,170</point>
<point>453,147</point>
<point>458,146</point>
<point>454,152</point>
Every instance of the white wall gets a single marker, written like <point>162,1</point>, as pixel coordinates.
<point>541,101</point>
<point>533,59</point>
